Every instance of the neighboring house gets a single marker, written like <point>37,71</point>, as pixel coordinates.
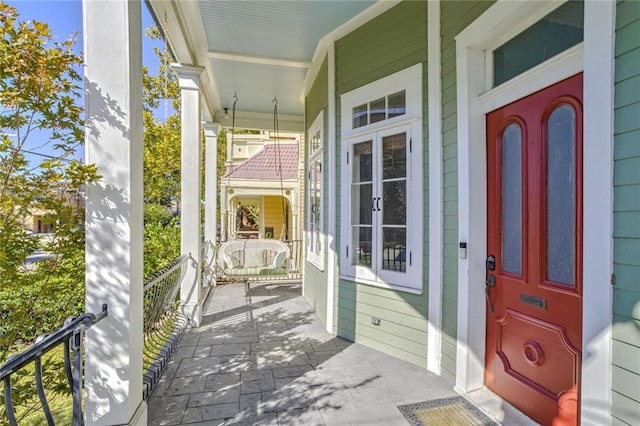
<point>260,193</point>
<point>473,193</point>
<point>39,221</point>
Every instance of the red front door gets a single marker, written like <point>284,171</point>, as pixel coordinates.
<point>534,267</point>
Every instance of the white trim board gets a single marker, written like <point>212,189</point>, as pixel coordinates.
<point>332,250</point>
<point>317,126</point>
<point>500,22</point>
<point>434,333</point>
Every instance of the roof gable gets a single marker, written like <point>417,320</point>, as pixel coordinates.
<point>267,163</point>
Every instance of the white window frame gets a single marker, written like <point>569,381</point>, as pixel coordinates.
<point>409,80</point>
<point>315,257</point>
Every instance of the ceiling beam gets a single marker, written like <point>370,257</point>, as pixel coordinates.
<point>238,57</point>
<point>260,121</point>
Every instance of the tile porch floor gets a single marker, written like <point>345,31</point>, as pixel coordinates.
<point>262,357</point>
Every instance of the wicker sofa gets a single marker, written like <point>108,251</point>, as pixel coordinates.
<point>254,258</point>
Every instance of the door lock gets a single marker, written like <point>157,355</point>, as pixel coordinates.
<point>489,283</point>
<point>491,263</point>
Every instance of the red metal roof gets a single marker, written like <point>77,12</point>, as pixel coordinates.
<point>266,164</point>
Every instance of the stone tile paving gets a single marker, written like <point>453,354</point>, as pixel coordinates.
<point>262,357</point>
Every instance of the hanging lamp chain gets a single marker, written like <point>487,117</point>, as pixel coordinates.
<point>233,132</point>
<point>278,162</point>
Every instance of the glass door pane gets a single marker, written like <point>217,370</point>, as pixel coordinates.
<point>393,203</point>
<point>315,209</point>
<point>512,199</point>
<point>362,203</point>
<point>561,197</point>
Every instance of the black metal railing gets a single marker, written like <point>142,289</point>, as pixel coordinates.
<point>71,335</point>
<point>297,254</point>
<point>163,324</point>
<point>208,272</point>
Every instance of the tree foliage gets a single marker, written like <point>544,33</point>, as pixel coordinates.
<point>41,126</point>
<point>40,88</point>
<point>162,161</point>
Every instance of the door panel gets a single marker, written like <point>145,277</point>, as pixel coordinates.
<point>534,228</point>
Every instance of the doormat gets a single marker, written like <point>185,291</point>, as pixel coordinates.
<point>454,411</point>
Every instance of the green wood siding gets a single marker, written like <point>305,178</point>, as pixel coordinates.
<point>318,97</point>
<point>315,281</point>
<point>454,17</point>
<point>625,381</point>
<point>387,44</point>
<point>403,320</point>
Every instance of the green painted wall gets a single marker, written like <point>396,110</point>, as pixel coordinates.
<point>389,43</point>
<point>625,381</point>
<point>318,97</point>
<point>403,327</point>
<point>454,17</point>
<point>315,280</point>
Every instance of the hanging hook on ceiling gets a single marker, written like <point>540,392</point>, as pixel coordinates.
<point>235,101</point>
<point>233,110</point>
<point>226,109</point>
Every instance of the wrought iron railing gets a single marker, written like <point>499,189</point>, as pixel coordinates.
<point>208,272</point>
<point>71,335</point>
<point>297,255</point>
<point>163,324</point>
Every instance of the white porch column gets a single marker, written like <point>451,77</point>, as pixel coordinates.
<point>223,212</point>
<point>191,182</point>
<point>293,203</point>
<point>114,274</point>
<point>211,131</point>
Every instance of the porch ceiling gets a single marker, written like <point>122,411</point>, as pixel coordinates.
<point>256,49</point>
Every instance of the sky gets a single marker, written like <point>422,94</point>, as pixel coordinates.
<point>65,18</point>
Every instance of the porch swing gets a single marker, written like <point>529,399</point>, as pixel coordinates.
<point>258,259</point>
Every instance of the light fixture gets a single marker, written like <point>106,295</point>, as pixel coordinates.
<point>226,113</point>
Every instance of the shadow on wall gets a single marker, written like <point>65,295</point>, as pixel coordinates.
<point>108,217</point>
<point>104,112</point>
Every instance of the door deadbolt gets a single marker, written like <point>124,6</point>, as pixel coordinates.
<point>491,263</point>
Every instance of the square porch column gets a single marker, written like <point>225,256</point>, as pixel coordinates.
<point>114,224</point>
<point>211,132</point>
<point>191,182</point>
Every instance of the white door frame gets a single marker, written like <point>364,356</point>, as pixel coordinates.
<point>595,58</point>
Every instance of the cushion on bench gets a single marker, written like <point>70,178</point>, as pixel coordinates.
<point>255,271</point>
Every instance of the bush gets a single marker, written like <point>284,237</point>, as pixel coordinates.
<point>161,240</point>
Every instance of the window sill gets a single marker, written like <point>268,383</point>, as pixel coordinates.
<point>318,265</point>
<point>380,284</point>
